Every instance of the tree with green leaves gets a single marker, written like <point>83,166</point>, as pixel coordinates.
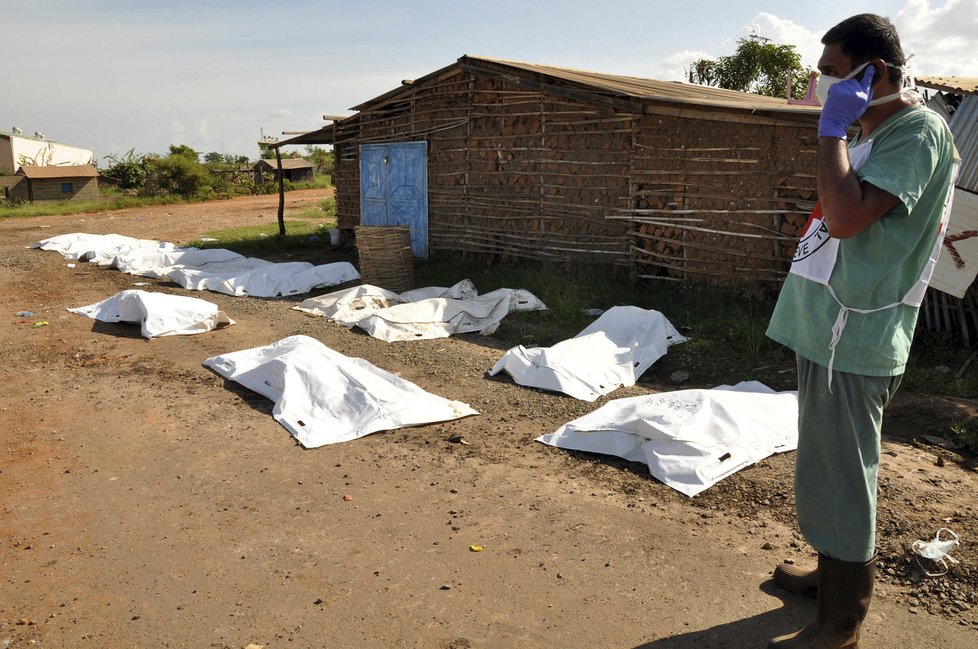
<point>185,151</point>
<point>229,159</point>
<point>759,66</point>
<point>320,157</point>
<point>178,174</point>
<point>129,169</point>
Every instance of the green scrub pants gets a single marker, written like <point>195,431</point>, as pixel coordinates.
<point>838,458</point>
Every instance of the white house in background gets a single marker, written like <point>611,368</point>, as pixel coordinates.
<point>18,148</point>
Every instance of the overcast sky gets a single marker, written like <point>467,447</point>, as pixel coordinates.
<point>114,75</point>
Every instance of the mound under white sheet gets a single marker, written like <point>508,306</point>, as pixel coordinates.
<point>690,439</point>
<point>158,314</point>
<point>323,397</point>
<point>423,313</point>
<point>218,270</point>
<point>613,351</point>
<point>100,248</point>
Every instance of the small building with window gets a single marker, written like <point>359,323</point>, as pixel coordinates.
<point>54,183</point>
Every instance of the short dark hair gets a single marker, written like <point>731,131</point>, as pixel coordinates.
<point>868,36</point>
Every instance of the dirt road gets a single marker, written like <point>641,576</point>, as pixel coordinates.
<point>144,502</point>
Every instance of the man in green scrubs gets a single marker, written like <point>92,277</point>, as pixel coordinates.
<point>849,306</point>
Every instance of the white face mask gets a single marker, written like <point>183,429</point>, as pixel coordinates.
<point>825,82</point>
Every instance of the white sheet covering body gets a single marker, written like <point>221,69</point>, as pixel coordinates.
<point>690,439</point>
<point>423,313</point>
<point>323,397</point>
<point>259,278</point>
<point>613,351</point>
<point>100,248</point>
<point>158,314</point>
<point>218,270</point>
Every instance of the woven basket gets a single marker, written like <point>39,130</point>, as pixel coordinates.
<point>385,255</point>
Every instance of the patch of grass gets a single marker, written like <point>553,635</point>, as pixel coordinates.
<point>306,234</point>
<point>938,365</point>
<point>9,210</point>
<point>722,323</point>
<point>965,433</point>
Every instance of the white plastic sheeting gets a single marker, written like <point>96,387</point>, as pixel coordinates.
<point>261,278</point>
<point>323,397</point>
<point>418,314</point>
<point>690,439</point>
<point>158,314</point>
<point>218,270</point>
<point>101,249</point>
<point>612,352</point>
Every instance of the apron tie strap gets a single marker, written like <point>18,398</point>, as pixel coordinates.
<point>841,320</point>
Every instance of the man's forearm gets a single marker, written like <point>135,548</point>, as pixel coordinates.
<point>849,206</point>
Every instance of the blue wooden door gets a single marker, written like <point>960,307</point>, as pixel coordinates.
<point>394,188</point>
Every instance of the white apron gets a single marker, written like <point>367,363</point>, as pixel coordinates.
<point>817,253</point>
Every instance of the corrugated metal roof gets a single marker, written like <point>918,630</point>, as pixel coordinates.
<point>964,125</point>
<point>58,171</point>
<point>289,163</point>
<point>615,85</point>
<point>635,88</point>
<point>957,85</point>
<point>652,89</point>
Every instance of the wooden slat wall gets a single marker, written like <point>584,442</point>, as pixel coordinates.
<point>719,202</point>
<point>512,174</point>
<point>518,172</point>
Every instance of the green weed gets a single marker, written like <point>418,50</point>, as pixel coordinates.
<point>965,433</point>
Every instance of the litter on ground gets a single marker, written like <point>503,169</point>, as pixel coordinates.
<point>613,351</point>
<point>158,314</point>
<point>419,314</point>
<point>323,397</point>
<point>219,270</point>
<point>690,439</point>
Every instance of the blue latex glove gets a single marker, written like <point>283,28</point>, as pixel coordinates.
<point>847,101</point>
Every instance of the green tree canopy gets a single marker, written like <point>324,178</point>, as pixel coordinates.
<point>129,169</point>
<point>185,151</point>
<point>320,157</point>
<point>215,158</point>
<point>759,66</point>
<point>178,174</point>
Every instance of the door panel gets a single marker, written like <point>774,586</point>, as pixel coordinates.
<point>373,184</point>
<point>408,182</point>
<point>394,188</point>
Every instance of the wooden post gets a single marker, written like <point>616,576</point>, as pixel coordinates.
<point>281,193</point>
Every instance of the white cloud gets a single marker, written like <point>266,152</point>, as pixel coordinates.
<point>675,67</point>
<point>942,39</point>
<point>807,43</point>
<point>280,113</point>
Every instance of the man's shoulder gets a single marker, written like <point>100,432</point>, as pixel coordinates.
<point>919,119</point>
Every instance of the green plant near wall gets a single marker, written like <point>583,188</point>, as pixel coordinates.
<point>965,433</point>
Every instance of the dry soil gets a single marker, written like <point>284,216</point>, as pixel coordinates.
<point>145,502</point>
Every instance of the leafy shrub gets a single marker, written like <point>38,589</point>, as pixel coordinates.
<point>177,175</point>
<point>129,169</point>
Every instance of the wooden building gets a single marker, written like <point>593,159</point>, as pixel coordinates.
<point>293,169</point>
<point>53,183</point>
<point>522,161</point>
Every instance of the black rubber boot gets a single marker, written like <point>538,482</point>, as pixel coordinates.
<point>796,580</point>
<point>845,589</point>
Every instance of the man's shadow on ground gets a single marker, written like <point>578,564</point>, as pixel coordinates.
<point>752,632</point>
